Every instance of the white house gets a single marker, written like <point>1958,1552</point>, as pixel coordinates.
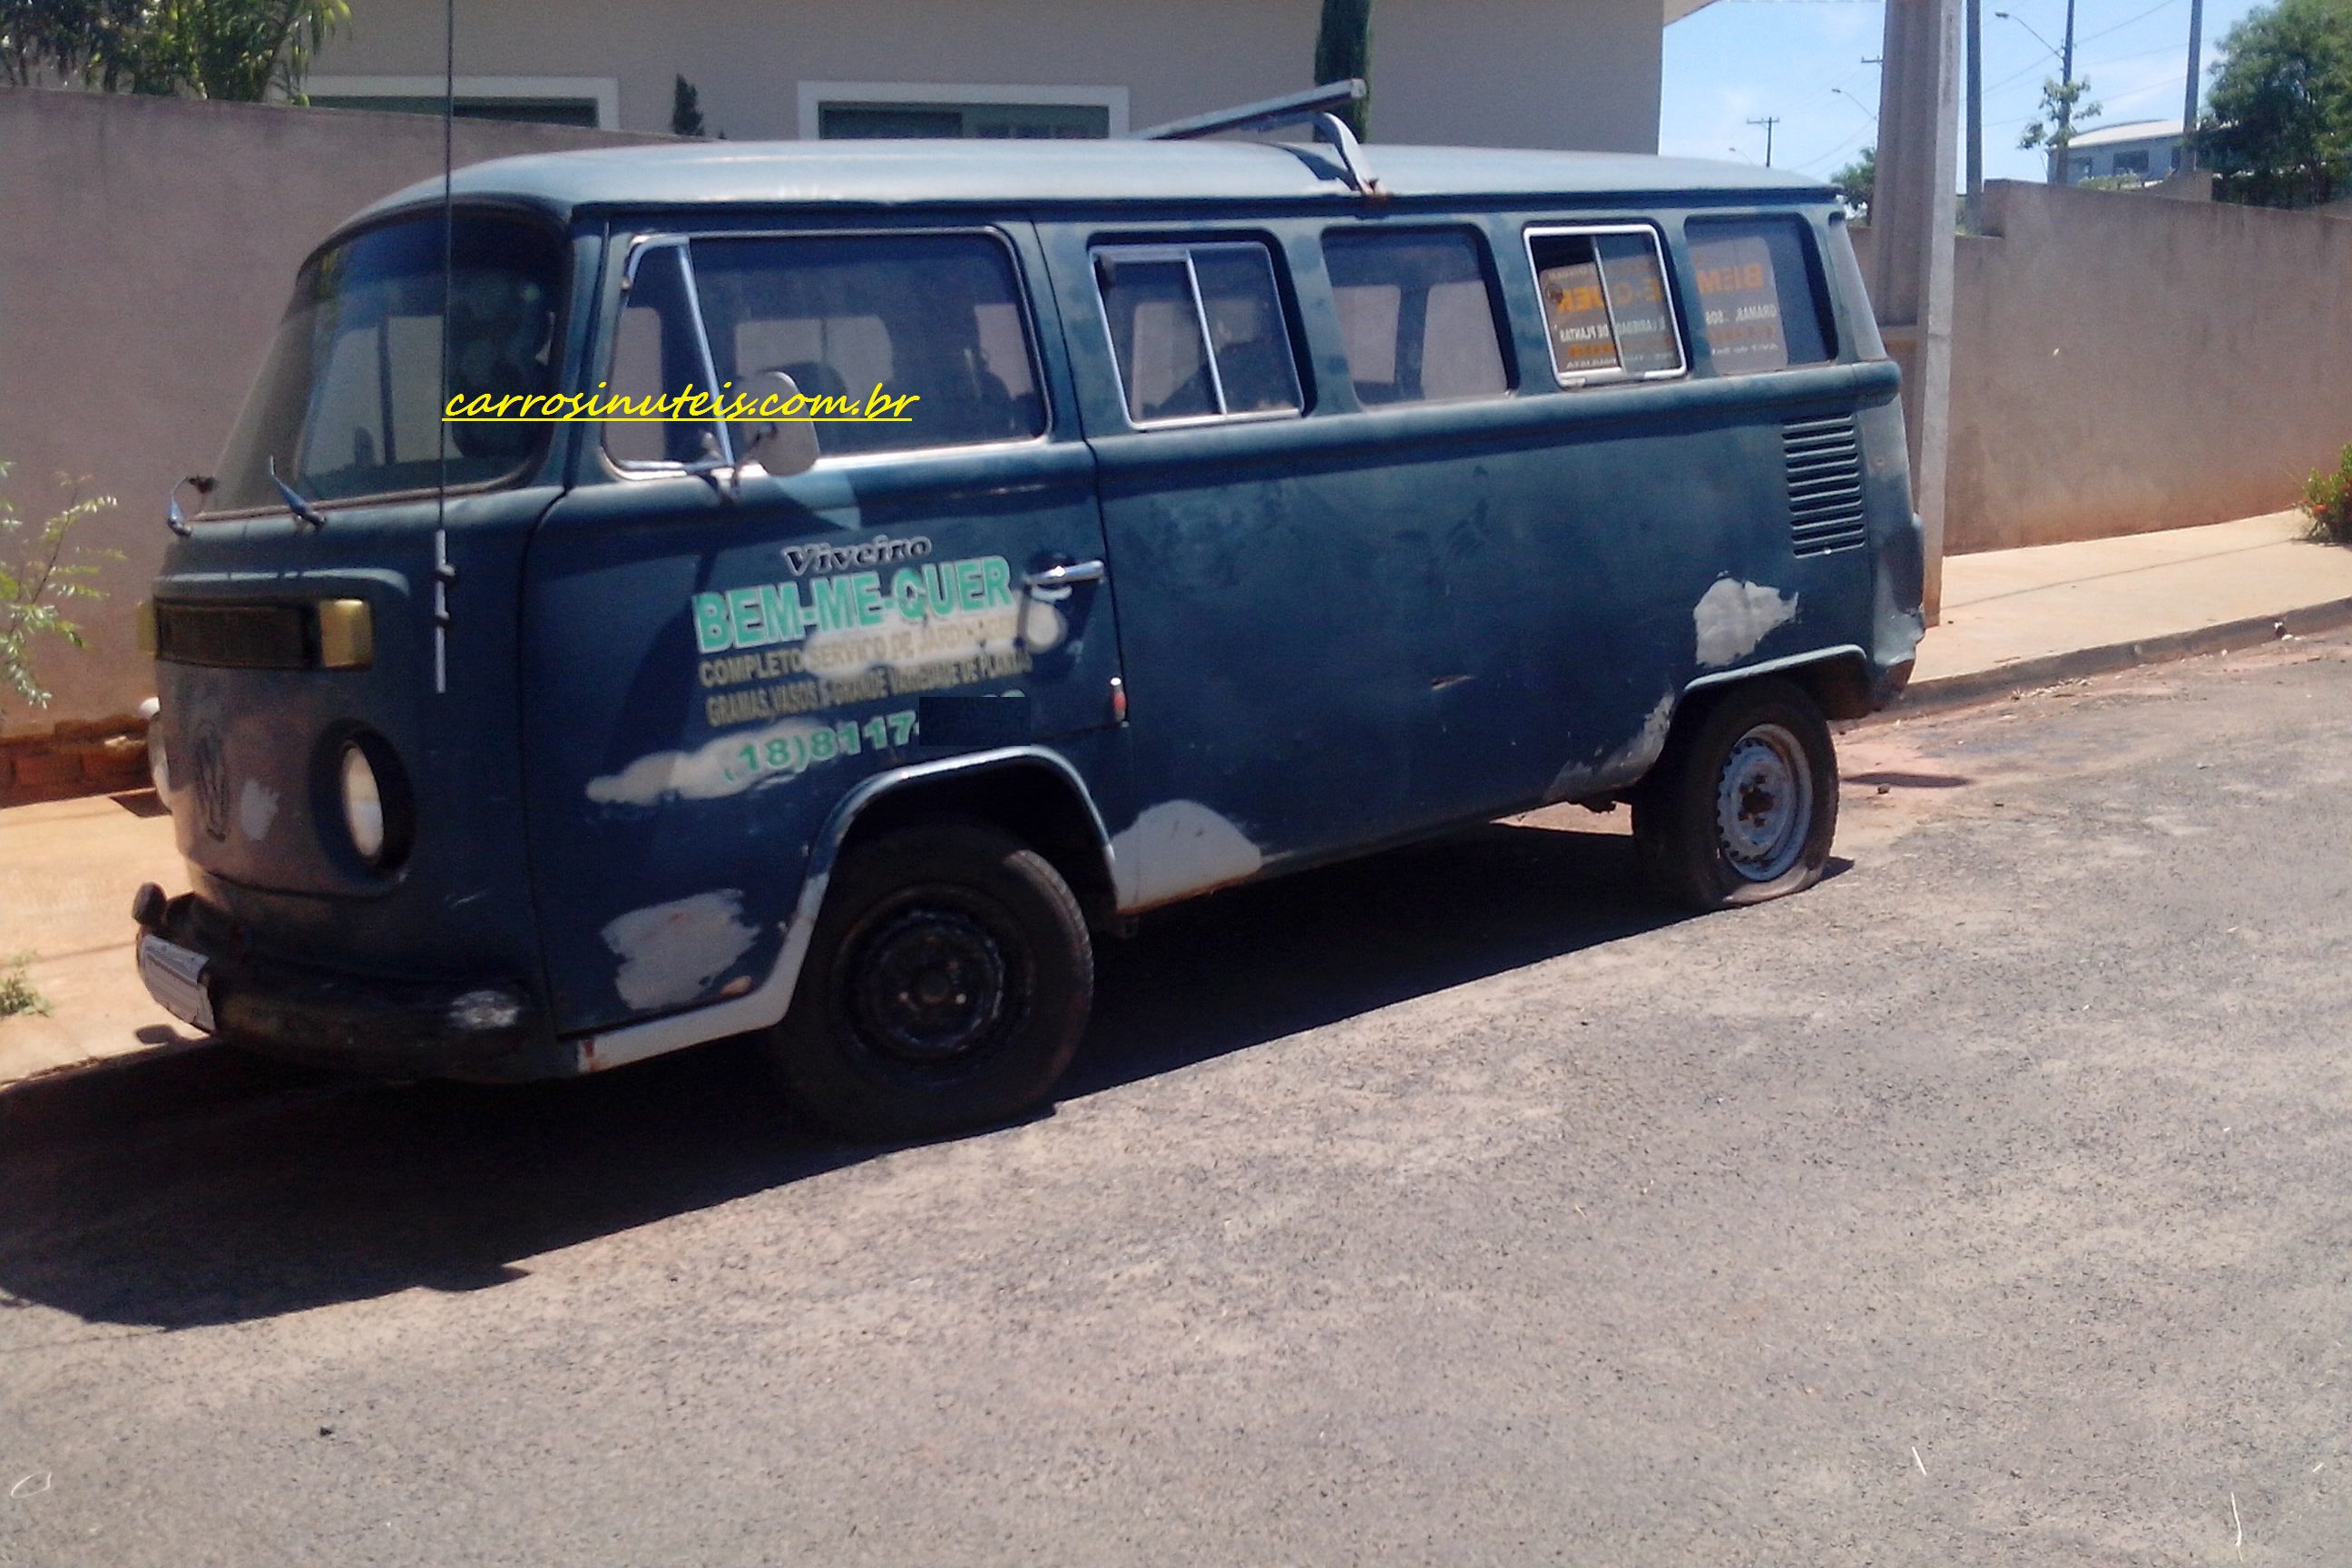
<point>2149,150</point>
<point>1532,73</point>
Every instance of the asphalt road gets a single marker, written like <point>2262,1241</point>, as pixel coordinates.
<point>1987,1205</point>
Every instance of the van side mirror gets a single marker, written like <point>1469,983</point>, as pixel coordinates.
<point>781,445</point>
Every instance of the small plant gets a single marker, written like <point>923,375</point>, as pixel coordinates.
<point>40,569</point>
<point>17,994</point>
<point>2328,500</point>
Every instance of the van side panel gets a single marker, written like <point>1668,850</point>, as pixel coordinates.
<point>1363,624</point>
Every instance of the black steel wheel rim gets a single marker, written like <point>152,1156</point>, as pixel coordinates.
<point>929,983</point>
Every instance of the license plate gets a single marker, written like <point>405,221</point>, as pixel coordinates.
<point>175,977</point>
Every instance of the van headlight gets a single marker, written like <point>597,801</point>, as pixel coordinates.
<point>363,806</point>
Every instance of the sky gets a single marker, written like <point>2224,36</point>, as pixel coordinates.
<point>1802,61</point>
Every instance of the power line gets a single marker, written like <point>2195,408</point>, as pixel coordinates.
<point>2104,32</point>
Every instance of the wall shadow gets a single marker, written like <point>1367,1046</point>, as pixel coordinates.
<point>203,1187</point>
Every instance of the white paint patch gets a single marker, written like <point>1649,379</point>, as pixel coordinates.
<point>711,772</point>
<point>671,953</point>
<point>1177,848</point>
<point>257,809</point>
<point>1043,625</point>
<point>1627,762</point>
<point>1733,616</point>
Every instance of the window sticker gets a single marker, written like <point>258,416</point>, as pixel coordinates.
<point>1607,311</point>
<point>1637,298</point>
<point>1740,293</point>
<point>1576,316</point>
<point>1760,291</point>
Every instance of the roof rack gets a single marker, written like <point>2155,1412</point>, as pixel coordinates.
<point>1313,107</point>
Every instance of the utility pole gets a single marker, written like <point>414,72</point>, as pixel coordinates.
<point>1768,121</point>
<point>2062,166</point>
<point>1974,208</point>
<point>1911,245</point>
<point>2189,110</point>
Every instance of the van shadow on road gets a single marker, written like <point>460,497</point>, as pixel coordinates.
<point>205,1187</point>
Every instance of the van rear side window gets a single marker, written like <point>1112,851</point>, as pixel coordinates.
<point>1607,313</point>
<point>1760,293</point>
<point>1198,331</point>
<point>1417,314</point>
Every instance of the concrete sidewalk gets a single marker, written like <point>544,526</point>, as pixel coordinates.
<point>2016,619</point>
<point>67,869</point>
<point>2012,619</point>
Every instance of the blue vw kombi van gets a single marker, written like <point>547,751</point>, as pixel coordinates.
<point>1247,506</point>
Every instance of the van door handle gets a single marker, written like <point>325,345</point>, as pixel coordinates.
<point>1055,582</point>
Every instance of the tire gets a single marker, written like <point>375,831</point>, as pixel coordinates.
<point>1742,806</point>
<point>947,986</point>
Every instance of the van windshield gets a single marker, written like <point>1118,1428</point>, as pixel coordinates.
<point>349,403</point>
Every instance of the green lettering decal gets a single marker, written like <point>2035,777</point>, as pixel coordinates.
<point>836,603</point>
<point>780,606</point>
<point>906,593</point>
<point>868,587</point>
<point>938,587</point>
<point>750,630</point>
<point>996,580</point>
<point>710,630</point>
<point>968,588</point>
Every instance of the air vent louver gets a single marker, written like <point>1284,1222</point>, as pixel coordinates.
<point>1824,460</point>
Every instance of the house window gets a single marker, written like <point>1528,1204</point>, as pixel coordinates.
<point>2131,162</point>
<point>971,122</point>
<point>592,102</point>
<point>847,110</point>
<point>1417,314</point>
<point>1198,331</point>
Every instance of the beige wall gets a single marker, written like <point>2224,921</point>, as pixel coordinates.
<point>147,247</point>
<point>2122,364</point>
<point>1535,73</point>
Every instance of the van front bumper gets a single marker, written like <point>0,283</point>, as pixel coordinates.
<point>489,1030</point>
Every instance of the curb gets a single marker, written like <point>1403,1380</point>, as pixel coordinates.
<point>1978,686</point>
<point>112,1061</point>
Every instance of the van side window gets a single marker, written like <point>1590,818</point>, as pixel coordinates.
<point>1606,310</point>
<point>1198,331</point>
<point>656,353</point>
<point>1760,293</point>
<point>1417,315</point>
<point>937,316</point>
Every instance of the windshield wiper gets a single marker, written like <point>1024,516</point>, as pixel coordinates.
<point>302,509</point>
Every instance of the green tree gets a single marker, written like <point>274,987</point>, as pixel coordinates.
<point>38,571</point>
<point>1343,48</point>
<point>1855,182</point>
<point>685,111</point>
<point>240,49</point>
<point>2279,133</point>
<point>2064,113</point>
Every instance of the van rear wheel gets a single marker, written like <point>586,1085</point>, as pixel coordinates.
<point>1743,805</point>
<point>947,986</point>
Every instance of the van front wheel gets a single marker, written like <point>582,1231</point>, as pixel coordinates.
<point>946,987</point>
<point>1743,805</point>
